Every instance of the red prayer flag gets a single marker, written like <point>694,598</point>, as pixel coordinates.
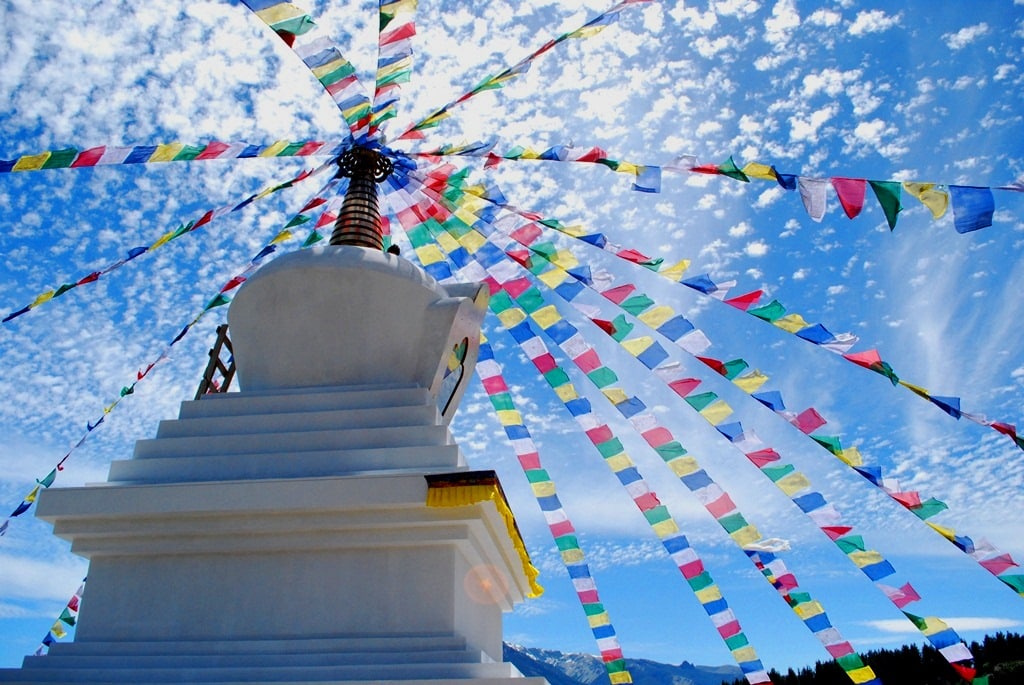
<point>851,194</point>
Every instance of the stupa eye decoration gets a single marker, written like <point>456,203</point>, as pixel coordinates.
<point>376,190</point>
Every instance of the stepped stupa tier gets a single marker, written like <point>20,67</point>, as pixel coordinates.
<point>319,525</point>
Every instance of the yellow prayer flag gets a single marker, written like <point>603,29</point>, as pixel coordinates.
<point>665,528</point>
<point>166,152</point>
<point>547,316</point>
<point>466,214</point>
<point>791,323</point>
<point>598,620</point>
<point>866,558</point>
<point>746,535</point>
<point>510,417</point>
<point>394,67</point>
<point>566,392</point>
<point>615,395</point>
<point>565,259</point>
<point>572,556</point>
<point>511,317</point>
<point>629,168</point>
<point>676,271</point>
<point>619,462</point>
<point>716,412</point>
<point>935,200</point>
<point>945,532</point>
<point>793,483</point>
<point>916,389</point>
<point>45,297</point>
<point>852,456</point>
<point>575,231</point>
<point>553,277</point>
<point>31,162</point>
<point>934,625</point>
<point>620,678</point>
<point>744,654</point>
<point>274,149</point>
<point>58,630</point>
<point>166,237</point>
<point>762,171</point>
<point>861,675</point>
<point>429,254</point>
<point>806,610</point>
<point>750,382</point>
<point>636,346</point>
<point>447,242</point>
<point>281,237</point>
<point>656,316</point>
<point>32,495</point>
<point>280,12</point>
<point>684,466</point>
<point>472,241</point>
<point>545,489</point>
<point>708,594</point>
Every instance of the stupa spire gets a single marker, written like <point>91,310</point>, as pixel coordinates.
<point>358,222</point>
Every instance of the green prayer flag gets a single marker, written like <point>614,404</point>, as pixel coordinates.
<point>313,238</point>
<point>60,159</point>
<point>531,300</point>
<point>769,312</point>
<point>637,304</point>
<point>929,508</point>
<point>851,543</point>
<point>776,473</point>
<point>609,448</point>
<point>729,168</point>
<point>602,377</point>
<point>622,328</point>
<point>700,581</point>
<point>700,400</point>
<point>888,195</point>
<point>732,522</point>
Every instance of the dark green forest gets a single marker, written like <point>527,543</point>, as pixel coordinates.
<point>1000,657</point>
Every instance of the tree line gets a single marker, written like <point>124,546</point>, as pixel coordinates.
<point>999,656</point>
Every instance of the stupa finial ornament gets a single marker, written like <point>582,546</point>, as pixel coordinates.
<point>358,222</point>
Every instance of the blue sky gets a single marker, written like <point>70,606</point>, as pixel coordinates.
<point>922,91</point>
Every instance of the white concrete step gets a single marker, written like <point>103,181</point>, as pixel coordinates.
<point>286,443</point>
<point>303,400</point>
<point>362,644</point>
<point>386,417</point>
<point>305,465</point>
<point>43,670</point>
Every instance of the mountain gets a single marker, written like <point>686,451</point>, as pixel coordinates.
<point>584,669</point>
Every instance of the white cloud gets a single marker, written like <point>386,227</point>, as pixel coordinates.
<point>806,128</point>
<point>758,248</point>
<point>741,229</point>
<point>873,21</point>
<point>965,36</point>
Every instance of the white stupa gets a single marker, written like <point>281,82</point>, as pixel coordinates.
<point>320,524</point>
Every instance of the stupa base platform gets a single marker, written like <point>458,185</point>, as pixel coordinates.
<point>407,660</point>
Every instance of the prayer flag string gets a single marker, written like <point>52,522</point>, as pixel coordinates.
<point>394,58</point>
<point>336,74</point>
<point>773,312</point>
<point>67,619</point>
<point>683,464</point>
<point>106,155</point>
<point>491,264</point>
<point>973,206</point>
<point>496,81</point>
<point>174,233</point>
<point>695,342</point>
<point>218,300</point>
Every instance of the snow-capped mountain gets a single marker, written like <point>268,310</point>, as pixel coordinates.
<point>585,669</point>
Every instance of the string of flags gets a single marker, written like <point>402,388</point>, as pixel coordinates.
<point>559,524</point>
<point>610,447</point>
<point>295,26</point>
<point>174,233</point>
<point>67,619</point>
<point>973,206</point>
<point>685,466</point>
<point>394,58</point>
<point>499,80</point>
<point>218,300</point>
<point>773,312</point>
<point>562,265</point>
<point>107,155</point>
<point>794,484</point>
